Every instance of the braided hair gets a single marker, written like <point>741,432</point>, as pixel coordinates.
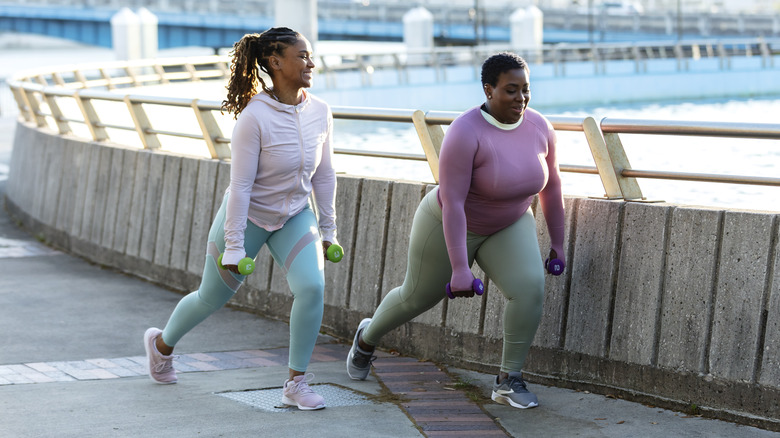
<point>500,63</point>
<point>250,53</point>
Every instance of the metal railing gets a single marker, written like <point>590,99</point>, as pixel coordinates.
<point>40,97</point>
<point>684,53</point>
<point>135,73</point>
<point>657,20</point>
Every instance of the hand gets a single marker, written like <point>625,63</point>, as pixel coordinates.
<point>461,285</point>
<point>553,265</point>
<point>463,293</point>
<point>232,268</point>
<point>325,245</point>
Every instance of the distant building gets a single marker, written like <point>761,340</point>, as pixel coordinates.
<point>714,6</point>
<point>656,6</point>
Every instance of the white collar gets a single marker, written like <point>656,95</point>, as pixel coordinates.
<point>505,126</point>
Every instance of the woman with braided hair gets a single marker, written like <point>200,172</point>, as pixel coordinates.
<point>281,153</point>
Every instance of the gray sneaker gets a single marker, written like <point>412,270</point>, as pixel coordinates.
<point>359,361</point>
<point>512,391</point>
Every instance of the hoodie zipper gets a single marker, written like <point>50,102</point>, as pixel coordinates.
<point>288,200</point>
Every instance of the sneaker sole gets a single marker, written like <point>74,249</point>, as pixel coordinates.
<point>148,365</point>
<point>362,325</point>
<point>290,402</point>
<point>504,400</point>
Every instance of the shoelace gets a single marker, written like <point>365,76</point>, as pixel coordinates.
<point>517,384</point>
<point>165,366</point>
<point>302,387</point>
<point>362,360</point>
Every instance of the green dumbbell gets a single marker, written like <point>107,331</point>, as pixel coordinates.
<point>245,266</point>
<point>335,253</point>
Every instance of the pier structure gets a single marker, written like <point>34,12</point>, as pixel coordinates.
<point>219,24</point>
<point>661,303</point>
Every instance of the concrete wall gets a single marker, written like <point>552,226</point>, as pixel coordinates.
<point>670,305</point>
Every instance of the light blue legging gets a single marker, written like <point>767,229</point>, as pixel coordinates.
<point>296,247</point>
<point>510,258</point>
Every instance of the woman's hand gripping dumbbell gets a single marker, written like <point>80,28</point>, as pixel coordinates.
<point>333,251</point>
<point>245,266</point>
<point>553,264</point>
<point>476,288</point>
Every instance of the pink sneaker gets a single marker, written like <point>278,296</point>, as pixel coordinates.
<point>160,367</point>
<point>297,392</point>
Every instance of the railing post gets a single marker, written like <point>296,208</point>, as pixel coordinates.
<point>682,61</point>
<point>476,62</point>
<point>598,148</point>
<point>192,71</point>
<point>211,132</point>
<point>225,68</point>
<point>766,56</point>
<point>107,77</point>
<point>403,75</point>
<point>57,78</point>
<point>131,74</point>
<point>629,187</point>
<point>21,102</point>
<point>723,56</point>
<point>142,124</point>
<point>35,108</point>
<point>80,77</point>
<point>431,137</point>
<point>441,74</point>
<point>161,74</point>
<point>326,70</point>
<point>62,125</point>
<point>365,76</point>
<point>91,118</point>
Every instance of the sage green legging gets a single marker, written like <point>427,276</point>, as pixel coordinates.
<point>509,257</point>
<point>297,249</point>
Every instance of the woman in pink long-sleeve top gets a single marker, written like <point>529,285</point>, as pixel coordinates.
<point>494,159</point>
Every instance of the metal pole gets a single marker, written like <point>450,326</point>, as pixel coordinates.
<point>590,21</point>
<point>679,20</point>
<point>476,22</point>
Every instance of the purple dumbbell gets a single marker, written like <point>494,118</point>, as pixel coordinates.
<point>554,266</point>
<point>476,286</point>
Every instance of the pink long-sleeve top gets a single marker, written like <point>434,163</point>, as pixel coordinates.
<point>488,177</point>
<point>280,154</point>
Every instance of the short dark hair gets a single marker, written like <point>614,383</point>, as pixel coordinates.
<point>500,63</point>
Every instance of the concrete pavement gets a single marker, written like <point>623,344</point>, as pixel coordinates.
<point>71,358</point>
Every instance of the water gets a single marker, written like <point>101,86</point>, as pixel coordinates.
<point>682,154</point>
<point>647,152</point>
<point>747,157</point>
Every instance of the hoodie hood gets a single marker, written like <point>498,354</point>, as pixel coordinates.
<point>269,100</point>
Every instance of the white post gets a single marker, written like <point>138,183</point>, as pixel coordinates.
<point>298,15</point>
<point>704,25</point>
<point>526,30</point>
<point>126,35</point>
<point>669,24</point>
<point>418,33</point>
<point>148,28</point>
